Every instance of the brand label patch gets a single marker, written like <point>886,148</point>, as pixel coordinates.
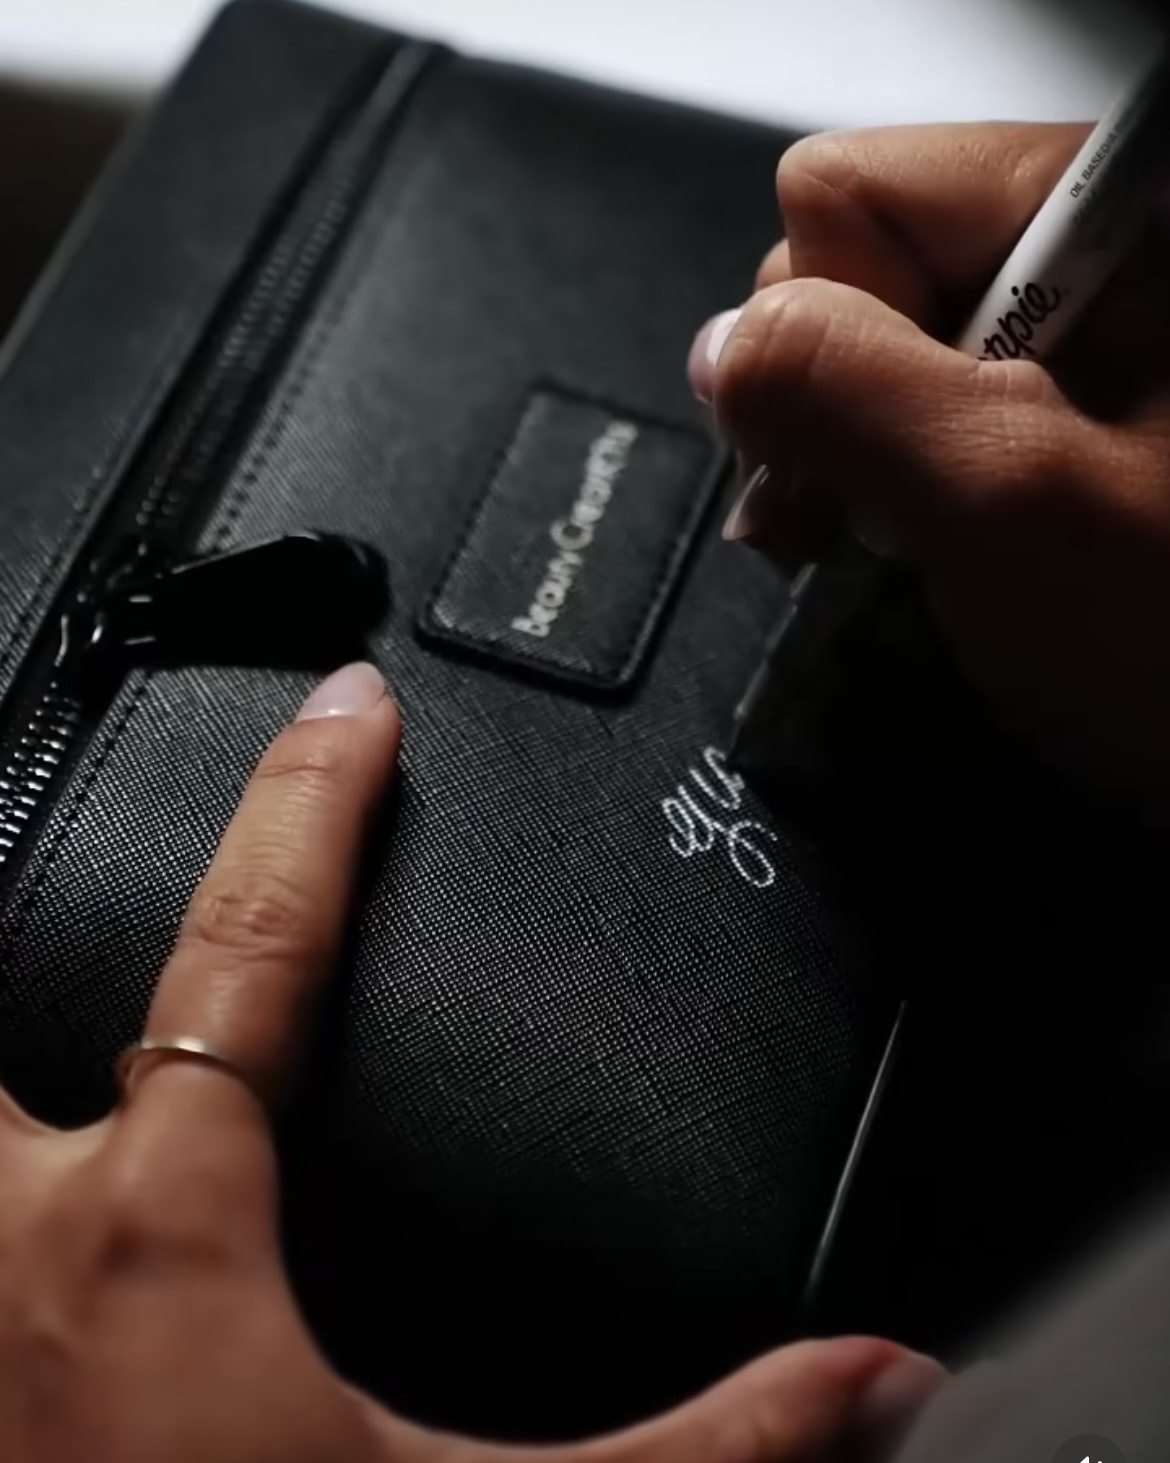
<point>571,555</point>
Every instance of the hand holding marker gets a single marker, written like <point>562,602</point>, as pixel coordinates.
<point>1074,244</point>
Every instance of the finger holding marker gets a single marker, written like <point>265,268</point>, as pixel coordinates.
<point>915,216</point>
<point>847,391</point>
<point>981,465</point>
<point>919,216</point>
<point>841,193</point>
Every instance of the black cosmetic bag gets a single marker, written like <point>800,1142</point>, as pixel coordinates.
<point>364,347</point>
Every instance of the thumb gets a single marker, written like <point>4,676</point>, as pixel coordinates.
<point>807,1403</point>
<point>824,383</point>
<point>804,1403</point>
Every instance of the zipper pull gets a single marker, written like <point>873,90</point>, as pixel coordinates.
<point>306,601</point>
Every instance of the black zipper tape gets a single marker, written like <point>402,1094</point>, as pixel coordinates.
<point>118,608</point>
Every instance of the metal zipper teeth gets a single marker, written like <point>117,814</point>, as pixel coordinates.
<point>33,762</point>
<point>176,482</point>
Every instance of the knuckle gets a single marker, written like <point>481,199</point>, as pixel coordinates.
<point>782,339</point>
<point>1139,464</point>
<point>1027,157</point>
<point>1019,384</point>
<point>255,915</point>
<point>817,171</point>
<point>133,1219</point>
<point>307,760</point>
<point>1027,444</point>
<point>1039,458</point>
<point>822,158</point>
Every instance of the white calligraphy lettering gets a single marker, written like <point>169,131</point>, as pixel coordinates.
<point>697,829</point>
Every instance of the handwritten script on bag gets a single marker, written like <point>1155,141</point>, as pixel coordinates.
<point>701,814</point>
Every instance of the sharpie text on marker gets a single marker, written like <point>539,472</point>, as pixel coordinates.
<point>1017,327</point>
<point>1060,263</point>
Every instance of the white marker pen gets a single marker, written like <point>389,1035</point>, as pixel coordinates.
<point>1070,249</point>
<point>1081,233</point>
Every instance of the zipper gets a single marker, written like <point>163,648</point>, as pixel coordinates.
<point>31,762</point>
<point>140,599</point>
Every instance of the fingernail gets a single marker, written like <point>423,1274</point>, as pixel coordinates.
<point>893,1398</point>
<point>707,349</point>
<point>740,521</point>
<point>347,692</point>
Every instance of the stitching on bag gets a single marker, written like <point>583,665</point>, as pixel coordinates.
<point>706,482</point>
<point>422,52</point>
<point>499,460</point>
<point>257,458</point>
<point>364,240</point>
<point>705,479</point>
<point>662,585</point>
<point>81,510</point>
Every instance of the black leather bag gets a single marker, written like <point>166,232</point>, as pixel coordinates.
<point>579,1112</point>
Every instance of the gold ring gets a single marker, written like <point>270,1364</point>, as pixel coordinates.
<point>187,1048</point>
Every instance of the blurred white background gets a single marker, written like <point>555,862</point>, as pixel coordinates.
<point>810,62</point>
<point>73,72</point>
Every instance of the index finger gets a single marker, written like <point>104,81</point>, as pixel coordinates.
<point>920,216</point>
<point>262,931</point>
